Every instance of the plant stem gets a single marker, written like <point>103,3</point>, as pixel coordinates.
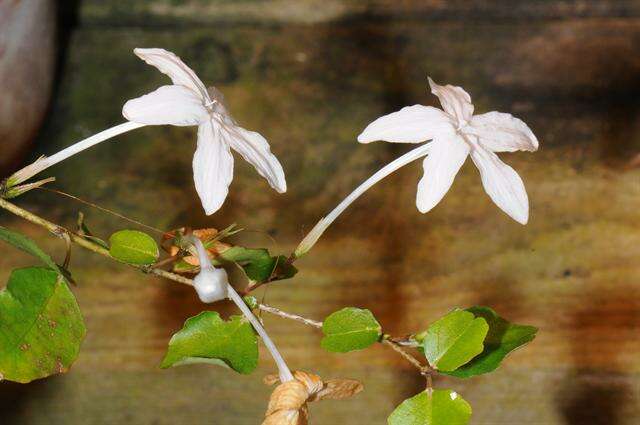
<point>290,316</point>
<point>322,225</point>
<point>283,369</point>
<point>206,268</point>
<point>85,243</point>
<point>398,349</point>
<point>386,340</point>
<point>285,373</point>
<point>46,162</point>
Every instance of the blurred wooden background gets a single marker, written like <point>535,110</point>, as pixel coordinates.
<point>309,75</point>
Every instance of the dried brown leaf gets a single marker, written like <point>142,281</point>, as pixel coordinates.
<point>338,389</point>
<point>288,402</point>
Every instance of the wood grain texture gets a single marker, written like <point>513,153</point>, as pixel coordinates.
<point>573,271</point>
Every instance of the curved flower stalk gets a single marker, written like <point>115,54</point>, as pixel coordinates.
<point>455,134</point>
<point>184,103</point>
<point>212,285</point>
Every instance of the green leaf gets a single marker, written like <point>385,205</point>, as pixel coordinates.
<point>454,339</point>
<point>27,245</point>
<point>133,247</point>
<point>41,327</point>
<point>206,338</point>
<point>258,264</point>
<point>503,338</point>
<point>350,329</point>
<point>432,407</point>
<point>250,301</point>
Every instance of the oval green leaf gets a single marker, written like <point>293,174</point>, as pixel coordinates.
<point>41,327</point>
<point>503,337</point>
<point>133,247</point>
<point>350,329</point>
<point>454,340</point>
<point>432,407</point>
<point>206,338</point>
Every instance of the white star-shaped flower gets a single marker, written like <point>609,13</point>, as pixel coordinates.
<point>188,102</point>
<point>456,133</point>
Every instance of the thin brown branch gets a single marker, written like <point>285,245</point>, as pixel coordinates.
<point>424,369</point>
<point>386,340</point>
<point>85,243</point>
<point>290,316</point>
<point>94,247</point>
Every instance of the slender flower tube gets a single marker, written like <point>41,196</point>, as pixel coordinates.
<point>317,231</point>
<point>45,162</point>
<point>455,134</point>
<point>212,285</point>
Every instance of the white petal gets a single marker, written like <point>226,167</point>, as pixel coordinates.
<point>455,101</point>
<point>503,185</point>
<point>500,132</point>
<point>171,65</point>
<point>212,167</point>
<point>175,105</point>
<point>440,168</point>
<point>411,124</point>
<point>255,150</point>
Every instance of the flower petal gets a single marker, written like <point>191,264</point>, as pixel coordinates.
<point>170,64</point>
<point>175,105</point>
<point>455,101</point>
<point>411,124</point>
<point>500,132</point>
<point>503,185</point>
<point>440,168</point>
<point>255,150</point>
<point>212,167</point>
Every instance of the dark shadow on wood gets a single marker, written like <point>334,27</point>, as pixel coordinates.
<point>591,394</point>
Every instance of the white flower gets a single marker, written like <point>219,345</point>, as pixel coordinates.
<point>187,102</point>
<point>456,134</point>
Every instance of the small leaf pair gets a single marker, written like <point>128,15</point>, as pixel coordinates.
<point>471,342</point>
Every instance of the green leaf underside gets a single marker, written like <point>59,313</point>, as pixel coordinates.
<point>133,247</point>
<point>454,340</point>
<point>503,337</point>
<point>201,360</point>
<point>41,327</point>
<point>206,338</point>
<point>258,264</point>
<point>432,407</point>
<point>350,329</point>
<point>27,245</point>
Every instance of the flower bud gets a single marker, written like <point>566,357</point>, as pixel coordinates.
<point>211,284</point>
